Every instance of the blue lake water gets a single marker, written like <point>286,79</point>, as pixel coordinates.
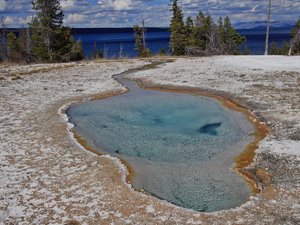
<point>181,146</point>
<point>158,39</point>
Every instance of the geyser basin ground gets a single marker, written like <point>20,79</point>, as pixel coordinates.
<point>43,170</point>
<point>181,146</point>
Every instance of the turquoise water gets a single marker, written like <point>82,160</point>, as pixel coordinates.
<point>180,146</point>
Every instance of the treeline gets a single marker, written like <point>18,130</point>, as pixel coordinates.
<point>45,40</point>
<point>202,36</point>
<point>288,48</point>
<point>197,36</point>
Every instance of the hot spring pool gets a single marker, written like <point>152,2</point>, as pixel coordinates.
<point>181,146</point>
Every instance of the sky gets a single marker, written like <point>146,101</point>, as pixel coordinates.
<point>156,13</point>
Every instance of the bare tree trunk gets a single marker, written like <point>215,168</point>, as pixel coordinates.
<point>291,48</point>
<point>105,51</point>
<point>144,31</point>
<point>268,28</point>
<point>293,42</point>
<point>121,52</point>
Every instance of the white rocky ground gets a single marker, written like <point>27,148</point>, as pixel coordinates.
<point>46,178</point>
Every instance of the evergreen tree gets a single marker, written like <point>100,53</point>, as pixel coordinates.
<point>178,37</point>
<point>13,47</point>
<point>203,36</point>
<point>50,39</point>
<point>221,27</point>
<point>140,45</point>
<point>203,28</point>
<point>190,31</point>
<point>285,48</point>
<point>274,49</point>
<point>246,51</point>
<point>39,48</point>
<point>24,43</point>
<point>231,39</point>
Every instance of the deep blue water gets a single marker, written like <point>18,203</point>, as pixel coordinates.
<point>113,39</point>
<point>158,39</point>
<point>181,147</point>
<point>256,38</point>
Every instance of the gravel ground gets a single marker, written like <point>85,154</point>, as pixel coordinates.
<point>47,178</point>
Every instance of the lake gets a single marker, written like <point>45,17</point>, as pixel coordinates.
<point>111,40</point>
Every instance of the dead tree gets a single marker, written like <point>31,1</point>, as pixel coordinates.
<point>268,28</point>
<point>144,32</point>
<point>215,45</point>
<point>294,42</point>
<point>121,51</point>
<point>105,51</point>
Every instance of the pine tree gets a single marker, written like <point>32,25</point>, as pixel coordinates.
<point>140,44</point>
<point>50,39</point>
<point>274,49</point>
<point>204,37</point>
<point>178,37</point>
<point>13,47</point>
<point>285,48</point>
<point>39,50</point>
<point>221,27</point>
<point>24,45</point>
<point>190,31</point>
<point>231,39</point>
<point>203,28</point>
<point>279,50</point>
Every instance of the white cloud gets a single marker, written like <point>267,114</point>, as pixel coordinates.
<point>122,4</point>
<point>2,5</point>
<point>25,20</point>
<point>116,4</point>
<point>119,13</point>
<point>67,4</point>
<point>75,18</point>
<point>9,20</point>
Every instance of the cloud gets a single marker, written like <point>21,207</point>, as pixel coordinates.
<point>9,20</point>
<point>24,20</point>
<point>67,4</point>
<point>75,18</point>
<point>120,13</point>
<point>2,5</point>
<point>117,4</point>
<point>122,4</point>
